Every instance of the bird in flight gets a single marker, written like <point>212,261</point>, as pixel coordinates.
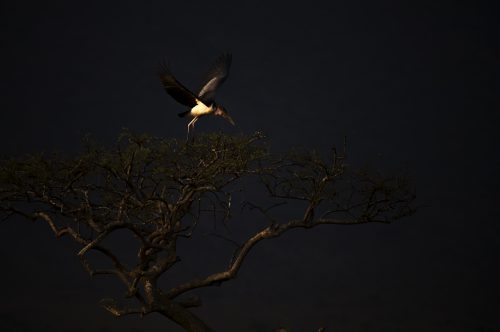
<point>202,103</point>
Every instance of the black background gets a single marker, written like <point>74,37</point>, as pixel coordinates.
<point>413,86</point>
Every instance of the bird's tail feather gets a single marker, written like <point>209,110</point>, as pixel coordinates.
<point>183,114</point>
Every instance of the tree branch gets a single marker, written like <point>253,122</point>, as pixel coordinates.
<point>266,233</point>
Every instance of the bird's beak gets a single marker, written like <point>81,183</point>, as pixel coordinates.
<point>228,118</point>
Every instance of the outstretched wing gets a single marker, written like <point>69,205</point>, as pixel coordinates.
<point>215,77</point>
<point>175,89</point>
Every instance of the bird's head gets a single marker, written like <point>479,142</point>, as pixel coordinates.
<point>221,111</point>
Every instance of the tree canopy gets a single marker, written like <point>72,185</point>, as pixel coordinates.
<point>160,190</point>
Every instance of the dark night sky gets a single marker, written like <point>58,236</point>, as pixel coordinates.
<point>414,87</point>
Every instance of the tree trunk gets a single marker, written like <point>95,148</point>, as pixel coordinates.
<point>173,310</point>
<point>185,318</point>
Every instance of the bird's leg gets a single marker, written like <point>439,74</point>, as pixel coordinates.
<point>191,125</point>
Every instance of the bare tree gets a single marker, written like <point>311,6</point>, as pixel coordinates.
<point>160,190</point>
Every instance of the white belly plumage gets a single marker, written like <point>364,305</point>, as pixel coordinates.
<point>201,109</point>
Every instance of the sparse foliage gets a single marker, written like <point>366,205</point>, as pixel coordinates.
<point>160,190</point>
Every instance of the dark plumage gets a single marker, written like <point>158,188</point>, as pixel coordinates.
<point>216,75</point>
<point>175,89</point>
